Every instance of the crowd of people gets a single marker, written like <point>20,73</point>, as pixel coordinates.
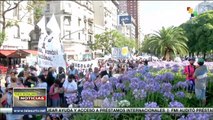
<point>65,82</point>
<point>61,83</point>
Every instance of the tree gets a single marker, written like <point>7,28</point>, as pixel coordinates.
<point>199,32</point>
<point>8,6</point>
<point>167,42</point>
<point>109,39</point>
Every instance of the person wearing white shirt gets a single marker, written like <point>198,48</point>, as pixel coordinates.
<point>42,82</point>
<point>70,87</point>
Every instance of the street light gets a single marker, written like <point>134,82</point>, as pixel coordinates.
<point>72,33</point>
<point>62,38</point>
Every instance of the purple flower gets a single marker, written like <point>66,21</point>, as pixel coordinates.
<point>103,93</point>
<point>175,104</point>
<point>152,116</point>
<point>169,76</point>
<point>113,80</point>
<point>89,85</point>
<point>107,86</point>
<point>134,85</point>
<point>86,104</point>
<point>193,116</point>
<point>118,96</point>
<point>141,84</point>
<point>180,94</point>
<point>120,86</point>
<point>89,94</point>
<point>109,103</point>
<point>175,69</point>
<point>169,95</point>
<point>181,84</point>
<point>73,98</point>
<point>139,94</point>
<point>166,87</point>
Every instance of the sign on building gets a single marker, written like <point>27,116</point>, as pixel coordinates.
<point>125,19</point>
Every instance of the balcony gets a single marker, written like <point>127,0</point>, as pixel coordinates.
<point>90,31</point>
<point>90,20</point>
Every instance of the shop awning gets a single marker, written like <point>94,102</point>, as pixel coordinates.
<point>22,53</point>
<point>33,52</point>
<point>6,53</point>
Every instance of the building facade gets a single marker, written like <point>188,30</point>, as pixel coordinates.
<point>20,21</point>
<point>132,7</point>
<point>126,25</point>
<point>106,14</point>
<point>76,22</point>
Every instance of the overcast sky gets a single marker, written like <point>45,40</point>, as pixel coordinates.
<point>156,14</point>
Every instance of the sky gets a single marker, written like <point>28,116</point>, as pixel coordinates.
<point>156,14</point>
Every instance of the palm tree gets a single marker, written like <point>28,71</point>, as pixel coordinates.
<point>167,42</point>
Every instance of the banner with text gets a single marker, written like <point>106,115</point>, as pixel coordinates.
<point>50,50</point>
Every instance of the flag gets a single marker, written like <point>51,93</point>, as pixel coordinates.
<point>54,44</point>
<point>42,41</point>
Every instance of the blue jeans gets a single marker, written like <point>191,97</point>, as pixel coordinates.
<point>191,86</point>
<point>55,102</point>
<point>200,94</point>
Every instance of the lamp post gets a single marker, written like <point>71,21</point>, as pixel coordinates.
<point>62,38</point>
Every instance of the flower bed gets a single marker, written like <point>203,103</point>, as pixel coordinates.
<point>163,86</point>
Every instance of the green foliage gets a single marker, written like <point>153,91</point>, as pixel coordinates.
<point>109,39</point>
<point>199,32</point>
<point>166,42</point>
<point>37,7</point>
<point>2,37</point>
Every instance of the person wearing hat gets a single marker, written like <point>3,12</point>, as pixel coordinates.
<point>200,76</point>
<point>189,72</point>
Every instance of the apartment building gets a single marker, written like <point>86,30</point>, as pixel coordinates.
<point>106,14</point>
<point>126,25</point>
<point>133,8</point>
<point>76,21</point>
<point>21,21</point>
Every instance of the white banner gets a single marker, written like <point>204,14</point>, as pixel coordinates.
<point>50,51</point>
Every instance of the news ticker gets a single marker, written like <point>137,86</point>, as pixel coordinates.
<point>39,110</point>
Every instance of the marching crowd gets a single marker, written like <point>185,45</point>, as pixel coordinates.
<point>63,83</point>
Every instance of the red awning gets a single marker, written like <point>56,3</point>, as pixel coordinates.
<point>6,53</point>
<point>33,52</point>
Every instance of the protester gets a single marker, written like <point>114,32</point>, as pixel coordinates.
<point>54,94</point>
<point>189,72</point>
<point>70,88</point>
<point>200,75</point>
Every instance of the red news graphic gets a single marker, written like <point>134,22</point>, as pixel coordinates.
<point>36,98</point>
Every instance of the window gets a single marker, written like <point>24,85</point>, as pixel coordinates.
<point>67,20</point>
<point>67,35</point>
<point>90,37</point>
<point>79,36</point>
<point>17,32</point>
<point>48,8</point>
<point>79,22</point>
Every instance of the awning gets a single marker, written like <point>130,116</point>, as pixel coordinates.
<point>22,53</point>
<point>6,53</point>
<point>33,52</point>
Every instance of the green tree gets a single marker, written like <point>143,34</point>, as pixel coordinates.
<point>167,42</point>
<point>199,32</point>
<point>109,39</point>
<point>8,5</point>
